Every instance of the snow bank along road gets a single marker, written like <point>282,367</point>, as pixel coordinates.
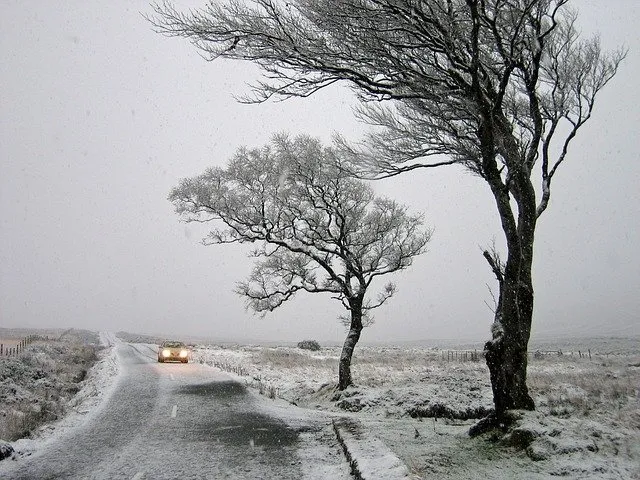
<point>190,421</point>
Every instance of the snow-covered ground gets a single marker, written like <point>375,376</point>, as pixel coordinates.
<point>419,407</point>
<point>317,445</point>
<point>96,386</point>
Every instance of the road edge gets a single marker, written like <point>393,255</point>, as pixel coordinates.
<point>368,457</point>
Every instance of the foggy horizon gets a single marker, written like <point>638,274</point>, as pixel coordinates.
<point>101,117</point>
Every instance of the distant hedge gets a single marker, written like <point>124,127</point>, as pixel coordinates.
<point>309,345</point>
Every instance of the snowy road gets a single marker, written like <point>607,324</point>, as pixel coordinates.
<point>186,422</point>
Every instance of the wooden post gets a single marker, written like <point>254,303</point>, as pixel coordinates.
<point>589,354</point>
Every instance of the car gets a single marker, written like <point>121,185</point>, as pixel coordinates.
<point>173,351</point>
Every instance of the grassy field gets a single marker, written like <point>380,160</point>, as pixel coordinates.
<point>36,385</point>
<point>421,402</point>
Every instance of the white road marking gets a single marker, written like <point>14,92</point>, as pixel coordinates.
<point>138,476</point>
<point>171,376</point>
<point>174,411</point>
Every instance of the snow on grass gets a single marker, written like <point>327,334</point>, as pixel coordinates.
<point>47,378</point>
<point>421,407</point>
<point>389,381</point>
<point>367,454</point>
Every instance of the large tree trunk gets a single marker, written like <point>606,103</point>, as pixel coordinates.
<point>344,366</point>
<point>506,353</point>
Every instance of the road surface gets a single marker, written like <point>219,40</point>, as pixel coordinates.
<point>177,421</point>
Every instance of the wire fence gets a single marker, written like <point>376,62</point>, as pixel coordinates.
<point>14,349</point>
<point>475,355</point>
<point>579,353</point>
<point>462,355</point>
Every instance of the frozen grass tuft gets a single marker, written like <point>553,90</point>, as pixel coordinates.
<point>577,386</point>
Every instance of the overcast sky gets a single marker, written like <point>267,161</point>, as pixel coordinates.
<point>101,117</point>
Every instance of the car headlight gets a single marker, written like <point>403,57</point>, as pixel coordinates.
<point>184,353</point>
<point>166,353</point>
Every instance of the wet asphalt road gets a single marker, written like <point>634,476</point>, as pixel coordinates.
<point>177,421</point>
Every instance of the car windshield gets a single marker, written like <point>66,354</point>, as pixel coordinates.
<point>173,344</point>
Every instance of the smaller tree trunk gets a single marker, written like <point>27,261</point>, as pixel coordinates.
<point>344,365</point>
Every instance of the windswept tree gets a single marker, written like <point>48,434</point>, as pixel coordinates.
<point>500,87</point>
<point>318,231</point>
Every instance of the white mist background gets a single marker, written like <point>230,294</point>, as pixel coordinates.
<point>101,117</point>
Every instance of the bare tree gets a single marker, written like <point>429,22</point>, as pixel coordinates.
<point>319,231</point>
<point>499,86</point>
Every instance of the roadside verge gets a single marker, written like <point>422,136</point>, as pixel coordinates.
<point>370,459</point>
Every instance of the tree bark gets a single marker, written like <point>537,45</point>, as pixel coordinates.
<point>355,328</point>
<point>506,353</point>
<point>506,357</point>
